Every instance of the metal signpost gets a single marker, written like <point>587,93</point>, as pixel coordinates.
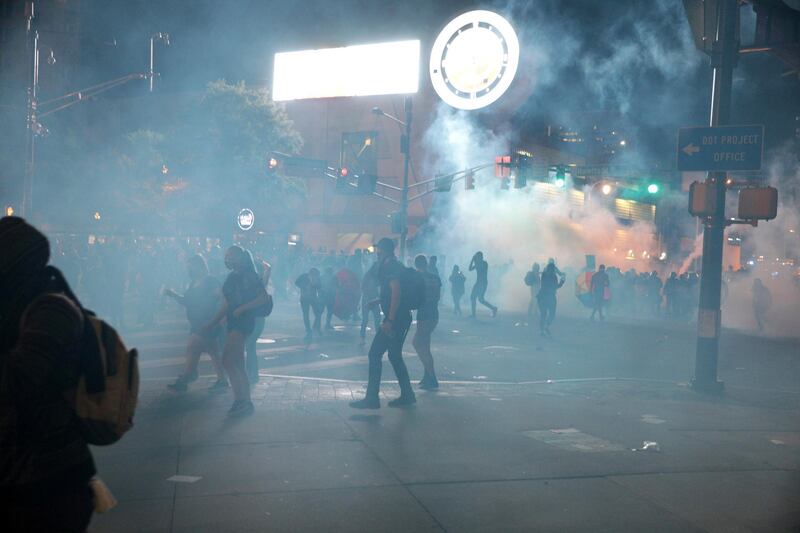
<point>720,148</point>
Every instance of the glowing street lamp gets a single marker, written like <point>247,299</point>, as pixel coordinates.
<point>9,211</point>
<point>96,215</point>
<point>606,189</point>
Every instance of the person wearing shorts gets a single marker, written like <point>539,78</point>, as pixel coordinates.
<point>427,320</point>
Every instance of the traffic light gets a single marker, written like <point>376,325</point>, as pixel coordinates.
<point>561,177</point>
<point>653,188</point>
<point>469,181</point>
<point>343,172</point>
<point>443,184</point>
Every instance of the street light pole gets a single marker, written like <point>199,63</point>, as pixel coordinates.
<point>164,37</point>
<point>406,147</point>
<point>33,113</point>
<point>32,36</point>
<point>723,60</point>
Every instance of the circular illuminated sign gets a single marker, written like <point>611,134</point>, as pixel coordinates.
<point>474,59</point>
<point>246,219</point>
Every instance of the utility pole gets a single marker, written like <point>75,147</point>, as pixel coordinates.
<point>406,148</point>
<point>36,110</point>
<point>724,54</point>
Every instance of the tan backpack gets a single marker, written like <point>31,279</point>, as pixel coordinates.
<point>108,387</point>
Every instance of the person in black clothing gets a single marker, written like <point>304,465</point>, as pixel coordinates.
<point>599,284</point>
<point>45,463</point>
<point>427,320</point>
<point>481,268</point>
<point>201,300</point>
<point>243,292</point>
<point>670,293</point>
<point>391,335</point>
<point>457,281</point>
<point>550,283</point>
<point>310,286</point>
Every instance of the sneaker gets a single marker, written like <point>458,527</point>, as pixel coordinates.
<point>221,385</point>
<point>429,383</point>
<point>366,403</point>
<point>180,385</point>
<point>241,408</point>
<point>403,401</point>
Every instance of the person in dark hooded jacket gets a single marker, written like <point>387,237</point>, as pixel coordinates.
<point>45,464</point>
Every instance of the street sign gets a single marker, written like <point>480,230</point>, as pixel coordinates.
<point>721,148</point>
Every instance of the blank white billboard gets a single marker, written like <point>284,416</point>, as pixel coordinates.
<point>362,70</point>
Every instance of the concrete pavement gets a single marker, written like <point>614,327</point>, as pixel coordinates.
<point>559,449</point>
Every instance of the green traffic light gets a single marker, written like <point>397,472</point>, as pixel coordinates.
<point>652,188</point>
<point>560,182</point>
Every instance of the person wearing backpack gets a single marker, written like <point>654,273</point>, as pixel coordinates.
<point>244,295</point>
<point>427,320</point>
<point>45,462</point>
<point>396,295</point>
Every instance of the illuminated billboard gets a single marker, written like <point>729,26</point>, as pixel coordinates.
<point>362,70</point>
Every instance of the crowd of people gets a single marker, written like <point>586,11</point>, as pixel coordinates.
<point>226,297</point>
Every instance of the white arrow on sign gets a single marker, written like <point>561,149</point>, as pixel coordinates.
<point>690,149</point>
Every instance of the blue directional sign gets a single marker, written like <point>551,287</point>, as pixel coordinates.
<point>721,148</point>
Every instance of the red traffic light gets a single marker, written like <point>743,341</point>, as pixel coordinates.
<point>343,172</point>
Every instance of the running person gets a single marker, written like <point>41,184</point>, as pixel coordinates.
<point>481,268</point>
<point>201,300</point>
<point>243,292</point>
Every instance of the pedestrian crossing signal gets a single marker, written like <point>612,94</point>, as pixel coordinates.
<point>502,166</point>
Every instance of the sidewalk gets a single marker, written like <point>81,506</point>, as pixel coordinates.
<point>541,456</point>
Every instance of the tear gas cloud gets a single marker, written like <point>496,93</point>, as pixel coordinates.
<point>640,54</point>
<point>774,242</point>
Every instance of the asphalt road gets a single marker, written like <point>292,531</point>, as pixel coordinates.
<point>502,349</point>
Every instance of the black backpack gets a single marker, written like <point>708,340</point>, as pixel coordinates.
<point>412,287</point>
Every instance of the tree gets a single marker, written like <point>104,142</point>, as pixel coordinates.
<point>209,164</point>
